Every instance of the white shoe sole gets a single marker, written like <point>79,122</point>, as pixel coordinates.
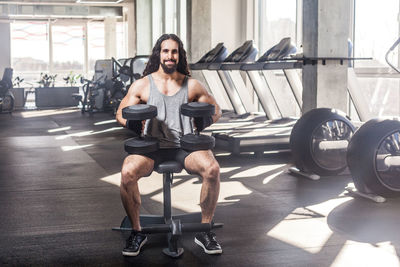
<point>133,254</point>
<point>218,251</point>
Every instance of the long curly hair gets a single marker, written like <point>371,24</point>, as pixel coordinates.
<point>154,60</point>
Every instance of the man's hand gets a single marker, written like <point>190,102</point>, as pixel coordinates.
<point>135,126</point>
<point>202,122</point>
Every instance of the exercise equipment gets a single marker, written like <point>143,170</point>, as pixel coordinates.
<point>373,154</point>
<point>93,95</point>
<point>319,141</point>
<point>140,144</point>
<point>373,158</point>
<point>197,141</point>
<point>6,96</point>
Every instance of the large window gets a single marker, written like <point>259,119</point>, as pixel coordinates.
<point>169,16</point>
<point>277,21</point>
<point>96,49</point>
<point>27,37</point>
<point>376,29</point>
<point>68,48</point>
<point>60,47</point>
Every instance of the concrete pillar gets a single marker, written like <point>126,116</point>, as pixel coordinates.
<point>325,34</point>
<point>200,33</point>
<point>143,27</point>
<point>5,47</point>
<point>130,20</point>
<point>110,36</point>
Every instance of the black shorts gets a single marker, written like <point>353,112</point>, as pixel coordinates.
<point>168,154</point>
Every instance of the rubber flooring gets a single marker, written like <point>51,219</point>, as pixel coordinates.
<point>59,199</point>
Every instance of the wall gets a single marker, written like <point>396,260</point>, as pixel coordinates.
<point>143,27</point>
<point>130,18</point>
<point>215,21</point>
<point>5,48</point>
<point>228,23</point>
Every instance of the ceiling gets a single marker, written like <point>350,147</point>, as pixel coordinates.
<point>68,2</point>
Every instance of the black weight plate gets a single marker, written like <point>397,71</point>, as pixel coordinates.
<point>139,145</point>
<point>195,142</point>
<point>373,141</point>
<point>312,129</point>
<point>197,109</point>
<point>139,112</point>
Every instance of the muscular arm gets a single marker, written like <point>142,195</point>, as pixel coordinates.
<point>138,93</point>
<point>197,92</point>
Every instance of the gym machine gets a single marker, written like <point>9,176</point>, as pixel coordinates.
<point>324,142</point>
<point>6,96</point>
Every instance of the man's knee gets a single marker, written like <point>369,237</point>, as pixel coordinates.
<point>212,171</point>
<point>133,170</point>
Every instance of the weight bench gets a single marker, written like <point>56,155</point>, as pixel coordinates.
<point>173,225</point>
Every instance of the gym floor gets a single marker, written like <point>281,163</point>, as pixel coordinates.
<point>59,199</point>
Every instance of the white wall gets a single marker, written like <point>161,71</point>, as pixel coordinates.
<point>228,23</point>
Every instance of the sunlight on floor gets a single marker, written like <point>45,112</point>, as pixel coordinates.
<point>87,133</point>
<point>364,254</point>
<point>228,169</point>
<point>185,192</point>
<point>105,122</point>
<point>186,195</point>
<point>47,112</point>
<point>59,129</point>
<point>324,208</point>
<point>272,177</point>
<point>70,148</point>
<point>114,179</point>
<point>257,171</point>
<point>307,234</point>
<point>308,231</point>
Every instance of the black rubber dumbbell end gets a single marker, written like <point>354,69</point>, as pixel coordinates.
<point>193,142</point>
<point>197,109</point>
<point>139,112</point>
<point>141,145</point>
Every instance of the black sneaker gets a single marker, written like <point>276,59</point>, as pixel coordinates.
<point>207,240</point>
<point>133,244</point>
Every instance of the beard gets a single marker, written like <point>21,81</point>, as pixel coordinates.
<point>169,69</point>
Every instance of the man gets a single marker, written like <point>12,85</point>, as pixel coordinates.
<point>167,85</point>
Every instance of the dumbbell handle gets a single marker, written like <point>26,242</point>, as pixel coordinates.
<point>136,126</point>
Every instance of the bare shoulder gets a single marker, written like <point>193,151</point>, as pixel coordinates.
<point>196,89</point>
<point>140,88</point>
<point>195,84</point>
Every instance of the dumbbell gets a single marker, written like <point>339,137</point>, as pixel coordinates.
<point>140,144</point>
<point>197,141</point>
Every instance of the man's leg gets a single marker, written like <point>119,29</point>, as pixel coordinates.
<point>133,168</point>
<point>204,163</point>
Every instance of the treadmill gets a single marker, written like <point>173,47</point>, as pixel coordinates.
<point>217,54</point>
<point>221,83</point>
<point>279,98</point>
<point>255,135</point>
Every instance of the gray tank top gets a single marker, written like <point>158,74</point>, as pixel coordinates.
<point>169,125</point>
